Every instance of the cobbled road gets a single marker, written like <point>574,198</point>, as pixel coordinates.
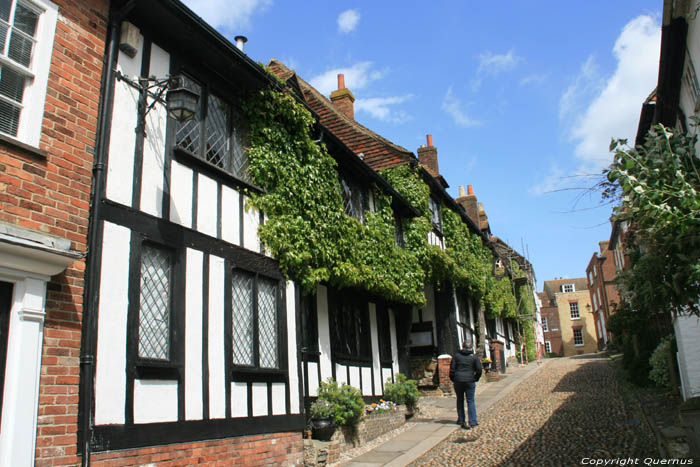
<point>572,409</point>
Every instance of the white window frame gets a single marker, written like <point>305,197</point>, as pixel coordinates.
<point>581,334</point>
<point>568,288</point>
<point>544,324</point>
<point>571,310</point>
<point>32,114</point>
<point>548,346</point>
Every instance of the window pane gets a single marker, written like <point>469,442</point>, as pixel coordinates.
<point>267,323</point>
<point>240,161</point>
<point>11,84</point>
<point>187,135</point>
<point>218,132</point>
<point>4,27</point>
<point>5,6</point>
<point>9,118</point>
<point>21,37</point>
<point>25,20</point>
<point>242,316</point>
<point>154,316</point>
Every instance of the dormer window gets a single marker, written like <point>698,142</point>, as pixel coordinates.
<point>215,134</point>
<point>567,288</point>
<point>434,208</point>
<point>355,199</point>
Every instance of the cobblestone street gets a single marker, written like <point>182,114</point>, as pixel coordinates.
<point>570,410</point>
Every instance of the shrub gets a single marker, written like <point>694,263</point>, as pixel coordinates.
<point>659,373</point>
<point>348,405</point>
<point>403,391</point>
<point>322,409</point>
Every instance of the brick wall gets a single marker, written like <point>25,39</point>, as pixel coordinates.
<point>444,373</point>
<point>51,195</point>
<point>274,449</point>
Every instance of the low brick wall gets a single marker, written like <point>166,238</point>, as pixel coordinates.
<point>444,362</point>
<point>318,453</point>
<point>272,449</point>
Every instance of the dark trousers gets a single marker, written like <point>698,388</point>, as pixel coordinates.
<point>462,390</point>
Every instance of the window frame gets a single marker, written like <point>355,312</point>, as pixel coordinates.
<point>29,126</point>
<point>568,288</point>
<point>545,327</point>
<point>434,210</point>
<point>577,309</point>
<point>580,332</point>
<point>355,197</point>
<point>384,335</point>
<point>548,346</point>
<point>256,372</point>
<point>361,308</point>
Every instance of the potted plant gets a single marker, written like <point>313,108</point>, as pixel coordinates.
<point>347,402</point>
<point>486,363</point>
<point>403,391</point>
<point>322,424</point>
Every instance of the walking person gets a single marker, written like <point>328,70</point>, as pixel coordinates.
<point>465,371</point>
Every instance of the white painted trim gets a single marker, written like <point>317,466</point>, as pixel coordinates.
<point>239,399</point>
<point>230,217</point>
<point>374,338</point>
<point>251,222</point>
<point>279,406</point>
<point>180,194</point>
<point>367,382</point>
<point>394,345</point>
<point>313,379</point>
<point>324,337</point>
<point>259,399</point>
<point>206,205</point>
<point>155,401</point>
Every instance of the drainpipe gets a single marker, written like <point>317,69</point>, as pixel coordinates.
<point>92,271</point>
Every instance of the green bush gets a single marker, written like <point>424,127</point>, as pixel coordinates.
<point>403,391</point>
<point>659,373</point>
<point>348,405</point>
<point>322,409</point>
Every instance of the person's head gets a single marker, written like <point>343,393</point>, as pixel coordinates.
<point>467,344</point>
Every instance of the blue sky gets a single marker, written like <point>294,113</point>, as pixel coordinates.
<point>521,98</point>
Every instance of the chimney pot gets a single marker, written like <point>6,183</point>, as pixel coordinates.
<point>430,140</point>
<point>341,81</point>
<point>470,190</point>
<point>240,41</point>
<point>461,191</point>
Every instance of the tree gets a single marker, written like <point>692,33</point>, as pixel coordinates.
<point>657,185</point>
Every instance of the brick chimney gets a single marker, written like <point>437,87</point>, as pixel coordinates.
<point>343,99</point>
<point>469,203</point>
<point>427,156</point>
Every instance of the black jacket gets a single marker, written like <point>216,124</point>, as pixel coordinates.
<point>465,367</point>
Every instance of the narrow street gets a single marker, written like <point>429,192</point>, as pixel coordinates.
<point>572,409</point>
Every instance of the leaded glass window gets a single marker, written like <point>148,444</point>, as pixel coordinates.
<point>242,303</point>
<point>350,327</point>
<point>254,300</point>
<point>214,135</point>
<point>384,334</point>
<point>354,199</point>
<point>435,213</point>
<point>155,309</point>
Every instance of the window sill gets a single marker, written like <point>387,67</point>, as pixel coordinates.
<point>15,143</point>
<point>575,319</point>
<point>579,345</point>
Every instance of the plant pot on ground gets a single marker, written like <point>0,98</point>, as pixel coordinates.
<point>322,424</point>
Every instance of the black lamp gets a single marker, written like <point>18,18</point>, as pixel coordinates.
<point>181,101</point>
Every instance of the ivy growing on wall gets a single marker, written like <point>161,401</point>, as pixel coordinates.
<point>307,228</point>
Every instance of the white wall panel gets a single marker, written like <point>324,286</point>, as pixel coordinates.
<point>180,194</point>
<point>259,399</point>
<point>193,336</point>
<point>154,143</point>
<point>386,376</point>
<point>292,349</point>
<point>341,374</point>
<point>230,216</point>
<point>122,141</point>
<point>155,401</point>
<point>324,337</point>
<point>313,379</point>
<point>110,377</point>
<point>217,354</point>
<point>239,399</point>
<point>367,382</point>
<point>374,337</point>
<point>206,205</point>
<point>279,405</point>
<point>251,221</point>
<point>355,377</point>
<point>394,345</point>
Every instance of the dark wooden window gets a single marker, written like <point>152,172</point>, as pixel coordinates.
<point>216,134</point>
<point>350,329</point>
<point>355,198</point>
<point>435,217</point>
<point>309,324</point>
<point>491,328</point>
<point>255,320</point>
<point>384,333</point>
<point>398,232</point>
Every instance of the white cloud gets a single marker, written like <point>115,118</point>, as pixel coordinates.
<point>453,106</point>
<point>534,78</point>
<point>493,64</point>
<point>614,111</point>
<point>347,21</point>
<point>232,15</point>
<point>380,108</point>
<point>357,77</point>
<point>562,179</point>
<point>587,84</point>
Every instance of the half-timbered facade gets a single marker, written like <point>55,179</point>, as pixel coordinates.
<point>194,332</point>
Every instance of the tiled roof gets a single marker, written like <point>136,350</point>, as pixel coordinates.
<point>378,152</point>
<point>554,286</point>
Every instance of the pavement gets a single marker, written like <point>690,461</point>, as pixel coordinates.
<point>428,432</point>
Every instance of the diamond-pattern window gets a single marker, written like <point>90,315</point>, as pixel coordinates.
<point>242,316</point>
<point>154,312</point>
<point>267,323</point>
<point>218,150</point>
<point>353,199</point>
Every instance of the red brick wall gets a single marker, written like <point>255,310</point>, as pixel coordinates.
<point>444,373</point>
<point>274,449</point>
<point>52,196</point>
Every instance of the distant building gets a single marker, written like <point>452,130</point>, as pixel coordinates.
<point>600,274</point>
<point>572,301</point>
<point>549,319</point>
